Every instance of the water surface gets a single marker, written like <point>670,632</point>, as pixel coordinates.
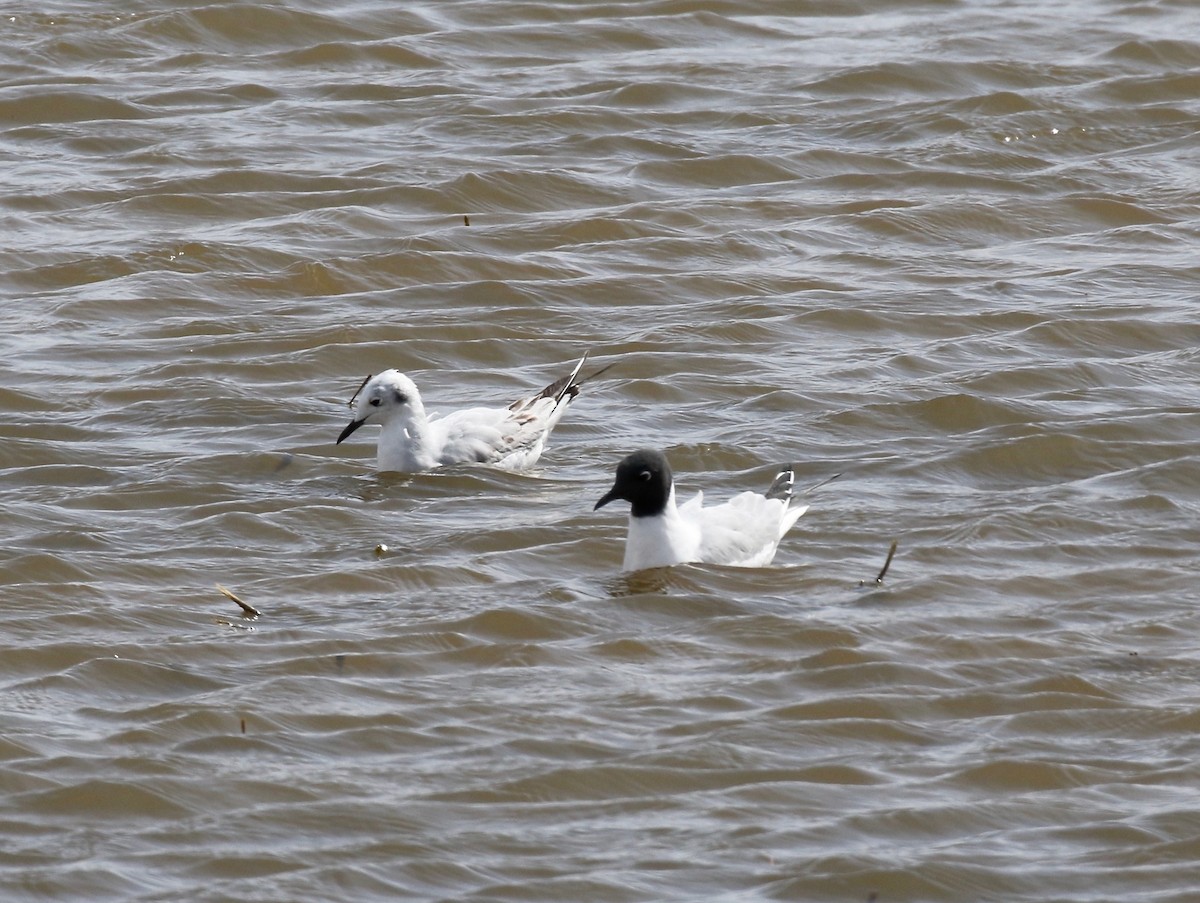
<point>947,249</point>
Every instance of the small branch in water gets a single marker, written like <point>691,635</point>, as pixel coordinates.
<point>248,610</point>
<point>878,581</point>
<point>466,220</point>
<point>816,486</point>
<point>350,403</point>
<point>888,562</point>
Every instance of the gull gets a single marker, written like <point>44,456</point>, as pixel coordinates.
<point>744,531</point>
<point>411,440</point>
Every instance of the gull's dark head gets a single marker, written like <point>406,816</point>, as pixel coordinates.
<point>643,480</point>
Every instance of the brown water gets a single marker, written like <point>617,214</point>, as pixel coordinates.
<point>946,248</point>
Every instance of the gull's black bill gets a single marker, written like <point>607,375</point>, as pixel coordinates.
<point>611,496</point>
<point>350,428</point>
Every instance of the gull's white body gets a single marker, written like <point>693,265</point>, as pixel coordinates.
<point>744,532</point>
<point>411,440</point>
<point>510,438</point>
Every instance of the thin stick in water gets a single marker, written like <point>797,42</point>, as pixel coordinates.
<point>887,564</point>
<point>350,403</point>
<point>816,486</point>
<point>248,610</point>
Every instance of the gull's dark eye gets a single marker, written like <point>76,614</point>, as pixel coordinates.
<point>645,476</point>
<point>375,402</point>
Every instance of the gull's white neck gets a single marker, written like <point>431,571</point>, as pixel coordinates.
<point>661,540</point>
<point>405,444</point>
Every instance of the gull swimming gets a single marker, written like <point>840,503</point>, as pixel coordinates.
<point>411,440</point>
<point>744,531</point>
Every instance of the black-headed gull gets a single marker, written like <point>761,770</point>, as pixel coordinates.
<point>511,437</point>
<point>744,531</point>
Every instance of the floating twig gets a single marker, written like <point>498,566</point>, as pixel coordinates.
<point>878,581</point>
<point>350,403</point>
<point>466,220</point>
<point>888,562</point>
<point>248,610</point>
<point>816,486</point>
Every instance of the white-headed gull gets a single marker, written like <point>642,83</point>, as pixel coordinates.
<point>744,531</point>
<point>511,437</point>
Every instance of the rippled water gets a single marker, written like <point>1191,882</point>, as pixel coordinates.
<point>945,248</point>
